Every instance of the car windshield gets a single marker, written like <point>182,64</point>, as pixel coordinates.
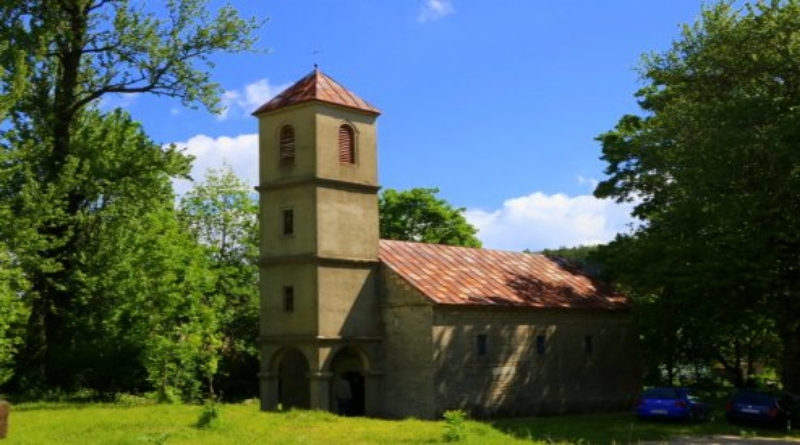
<point>754,398</point>
<point>661,393</point>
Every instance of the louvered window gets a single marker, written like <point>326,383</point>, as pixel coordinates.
<point>287,145</point>
<point>347,145</point>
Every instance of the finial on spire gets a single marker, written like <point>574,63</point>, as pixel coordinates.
<point>315,53</point>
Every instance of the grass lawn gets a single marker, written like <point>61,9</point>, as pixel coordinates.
<point>245,424</point>
<point>624,428</point>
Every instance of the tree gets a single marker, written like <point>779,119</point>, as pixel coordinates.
<point>418,215</point>
<point>581,256</point>
<point>712,164</point>
<point>222,216</point>
<point>14,311</point>
<point>139,315</point>
<point>59,59</point>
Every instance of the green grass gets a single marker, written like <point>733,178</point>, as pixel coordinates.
<point>624,428</point>
<point>244,424</point>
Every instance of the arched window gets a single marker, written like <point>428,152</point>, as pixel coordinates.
<point>347,145</point>
<point>287,145</point>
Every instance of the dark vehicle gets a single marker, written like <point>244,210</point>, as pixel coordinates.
<point>775,409</point>
<point>672,403</point>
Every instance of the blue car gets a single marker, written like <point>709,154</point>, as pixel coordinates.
<point>775,409</point>
<point>672,404</point>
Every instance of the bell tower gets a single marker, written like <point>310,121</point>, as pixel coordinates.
<point>319,243</point>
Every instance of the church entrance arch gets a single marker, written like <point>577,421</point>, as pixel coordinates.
<point>349,393</point>
<point>293,381</point>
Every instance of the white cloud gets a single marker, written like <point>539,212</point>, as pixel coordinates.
<point>240,152</point>
<point>240,103</point>
<point>539,221</point>
<point>434,10</point>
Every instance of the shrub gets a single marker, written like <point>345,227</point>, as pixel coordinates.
<point>209,415</point>
<point>454,422</point>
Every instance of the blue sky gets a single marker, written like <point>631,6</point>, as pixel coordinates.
<point>495,103</point>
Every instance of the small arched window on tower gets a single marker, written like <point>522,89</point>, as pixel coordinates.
<point>347,145</point>
<point>287,145</point>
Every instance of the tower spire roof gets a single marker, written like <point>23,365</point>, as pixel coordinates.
<point>317,86</point>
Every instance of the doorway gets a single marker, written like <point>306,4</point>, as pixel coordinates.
<point>294,387</point>
<point>349,393</point>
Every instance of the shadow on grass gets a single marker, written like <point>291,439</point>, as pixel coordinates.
<point>623,428</point>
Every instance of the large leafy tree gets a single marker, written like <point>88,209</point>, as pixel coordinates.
<point>222,215</point>
<point>418,215</point>
<point>138,316</point>
<point>714,167</point>
<point>59,59</point>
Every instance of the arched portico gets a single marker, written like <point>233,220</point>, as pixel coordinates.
<point>353,366</point>
<point>348,366</point>
<point>285,382</point>
<point>293,381</point>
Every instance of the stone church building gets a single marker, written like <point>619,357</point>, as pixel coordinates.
<point>410,329</point>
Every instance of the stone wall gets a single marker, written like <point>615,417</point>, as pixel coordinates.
<point>407,388</point>
<point>584,361</point>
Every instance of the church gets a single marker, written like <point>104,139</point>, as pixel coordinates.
<point>400,329</point>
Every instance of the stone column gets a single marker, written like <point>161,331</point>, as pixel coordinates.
<point>268,386</point>
<point>321,390</point>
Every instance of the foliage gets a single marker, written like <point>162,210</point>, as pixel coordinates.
<point>454,425</point>
<point>584,257</point>
<point>418,215</point>
<point>182,338</point>
<point>76,187</point>
<point>209,415</point>
<point>713,168</point>
<point>135,314</point>
<point>222,216</point>
<point>14,311</point>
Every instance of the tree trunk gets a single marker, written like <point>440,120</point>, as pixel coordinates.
<point>790,375</point>
<point>45,330</point>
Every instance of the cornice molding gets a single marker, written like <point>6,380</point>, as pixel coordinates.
<point>317,181</point>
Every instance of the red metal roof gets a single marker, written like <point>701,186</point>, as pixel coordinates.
<point>467,276</point>
<point>317,86</point>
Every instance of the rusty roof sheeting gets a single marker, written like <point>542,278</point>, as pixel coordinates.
<point>451,275</point>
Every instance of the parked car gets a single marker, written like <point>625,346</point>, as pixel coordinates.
<point>776,409</point>
<point>672,403</point>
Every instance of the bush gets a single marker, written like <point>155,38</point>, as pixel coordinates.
<point>209,416</point>
<point>454,423</point>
